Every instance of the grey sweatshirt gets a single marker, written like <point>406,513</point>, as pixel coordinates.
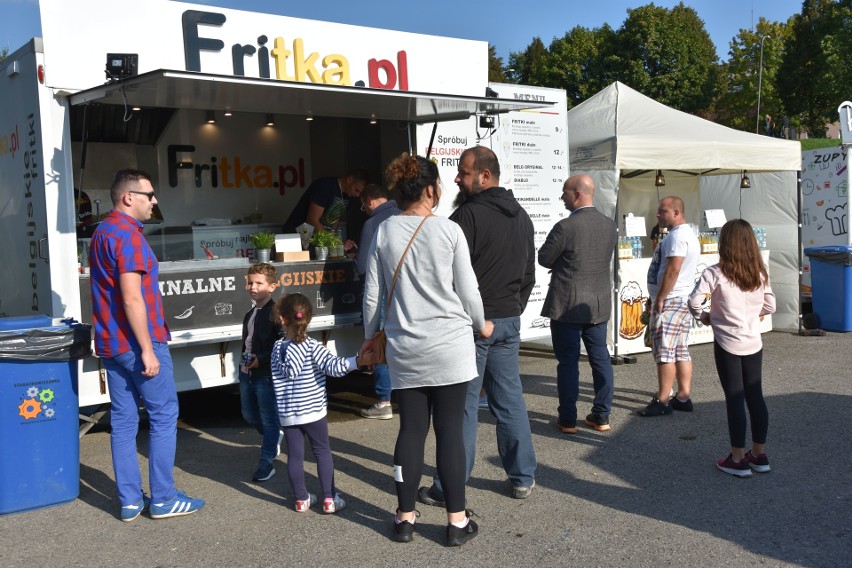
<point>435,305</point>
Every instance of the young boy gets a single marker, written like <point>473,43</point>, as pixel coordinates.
<point>257,396</point>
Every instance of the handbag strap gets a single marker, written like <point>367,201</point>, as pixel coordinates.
<point>398,266</point>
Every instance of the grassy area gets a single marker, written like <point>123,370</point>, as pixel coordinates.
<point>817,143</point>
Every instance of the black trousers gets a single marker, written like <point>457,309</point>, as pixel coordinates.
<point>417,407</point>
<point>740,376</point>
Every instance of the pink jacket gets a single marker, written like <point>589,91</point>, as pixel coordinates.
<point>734,314</point>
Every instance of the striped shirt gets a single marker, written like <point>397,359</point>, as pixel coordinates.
<point>118,246</point>
<point>298,376</point>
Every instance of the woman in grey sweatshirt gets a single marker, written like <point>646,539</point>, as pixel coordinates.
<point>434,309</point>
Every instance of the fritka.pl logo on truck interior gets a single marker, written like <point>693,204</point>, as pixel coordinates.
<point>232,172</point>
<point>291,62</point>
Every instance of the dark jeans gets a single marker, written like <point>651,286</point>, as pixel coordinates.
<point>499,373</point>
<point>566,346</point>
<point>741,378</point>
<point>259,408</point>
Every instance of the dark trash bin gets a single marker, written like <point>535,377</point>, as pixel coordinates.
<point>831,286</point>
<point>39,411</point>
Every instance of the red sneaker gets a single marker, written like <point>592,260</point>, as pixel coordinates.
<point>759,463</point>
<point>738,469</point>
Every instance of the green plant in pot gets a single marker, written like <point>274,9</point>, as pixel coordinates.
<point>263,243</point>
<point>323,241</point>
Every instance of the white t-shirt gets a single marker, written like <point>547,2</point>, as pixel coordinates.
<point>681,241</point>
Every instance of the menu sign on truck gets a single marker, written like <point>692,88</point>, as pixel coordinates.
<point>532,147</point>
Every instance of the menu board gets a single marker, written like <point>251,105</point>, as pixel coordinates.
<point>532,147</point>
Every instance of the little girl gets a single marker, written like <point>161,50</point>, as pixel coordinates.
<point>299,367</point>
<point>739,294</point>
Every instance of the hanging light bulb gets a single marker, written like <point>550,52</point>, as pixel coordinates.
<point>211,117</point>
<point>745,183</point>
<point>270,120</point>
<point>310,116</point>
<point>373,119</point>
<point>660,180</point>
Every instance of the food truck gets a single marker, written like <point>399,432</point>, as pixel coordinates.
<point>233,113</point>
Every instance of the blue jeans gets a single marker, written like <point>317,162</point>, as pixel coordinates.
<point>258,406</point>
<point>383,383</point>
<point>566,346</point>
<point>499,372</point>
<point>127,388</point>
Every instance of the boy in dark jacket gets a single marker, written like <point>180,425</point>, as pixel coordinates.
<point>257,396</point>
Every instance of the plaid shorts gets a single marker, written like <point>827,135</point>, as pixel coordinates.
<point>670,331</point>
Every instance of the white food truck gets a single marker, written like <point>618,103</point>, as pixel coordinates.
<point>234,114</point>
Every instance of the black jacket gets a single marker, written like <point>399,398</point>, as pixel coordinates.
<point>502,250</point>
<point>266,333</point>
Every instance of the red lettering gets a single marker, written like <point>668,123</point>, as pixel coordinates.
<point>373,67</point>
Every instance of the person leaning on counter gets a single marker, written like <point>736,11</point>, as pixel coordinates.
<point>323,205</point>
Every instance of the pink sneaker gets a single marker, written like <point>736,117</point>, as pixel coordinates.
<point>303,506</point>
<point>738,469</point>
<point>759,463</point>
<point>333,505</point>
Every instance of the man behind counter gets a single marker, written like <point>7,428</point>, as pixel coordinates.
<point>324,203</point>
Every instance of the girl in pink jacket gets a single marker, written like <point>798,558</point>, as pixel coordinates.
<point>732,297</point>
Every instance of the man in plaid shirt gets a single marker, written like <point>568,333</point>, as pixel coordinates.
<point>131,338</point>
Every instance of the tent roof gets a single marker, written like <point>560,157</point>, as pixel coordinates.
<point>620,128</point>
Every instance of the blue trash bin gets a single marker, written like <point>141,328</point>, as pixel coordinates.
<point>39,411</point>
<point>831,286</point>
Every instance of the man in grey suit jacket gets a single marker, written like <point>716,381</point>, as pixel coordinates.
<point>579,252</point>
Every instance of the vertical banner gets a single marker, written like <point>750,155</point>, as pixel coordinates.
<point>825,203</point>
<point>532,147</point>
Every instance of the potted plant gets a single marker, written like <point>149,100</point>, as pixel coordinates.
<point>263,243</point>
<point>322,241</point>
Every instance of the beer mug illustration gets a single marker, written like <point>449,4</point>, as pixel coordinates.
<point>632,304</point>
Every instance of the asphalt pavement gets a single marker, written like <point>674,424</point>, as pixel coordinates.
<point>646,493</point>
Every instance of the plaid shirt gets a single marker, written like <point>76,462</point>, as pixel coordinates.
<point>118,246</point>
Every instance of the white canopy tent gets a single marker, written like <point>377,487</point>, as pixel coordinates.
<point>621,138</point>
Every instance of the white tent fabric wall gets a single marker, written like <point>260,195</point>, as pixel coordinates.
<point>769,203</point>
<point>621,137</point>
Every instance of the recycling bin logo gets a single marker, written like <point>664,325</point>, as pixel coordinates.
<point>37,402</point>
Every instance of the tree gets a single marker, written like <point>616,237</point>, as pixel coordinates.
<point>667,55</point>
<point>496,73</point>
<point>3,53</point>
<point>530,65</point>
<point>579,62</point>
<point>838,49</point>
<point>803,77</point>
<point>741,76</point>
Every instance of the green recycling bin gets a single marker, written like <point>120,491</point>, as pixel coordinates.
<point>39,411</point>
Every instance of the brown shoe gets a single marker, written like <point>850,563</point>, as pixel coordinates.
<point>598,422</point>
<point>567,428</point>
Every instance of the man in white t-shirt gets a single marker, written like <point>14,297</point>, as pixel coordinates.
<point>671,278</point>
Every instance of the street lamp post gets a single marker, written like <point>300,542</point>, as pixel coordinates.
<point>759,84</point>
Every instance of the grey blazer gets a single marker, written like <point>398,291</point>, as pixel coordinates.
<point>579,252</point>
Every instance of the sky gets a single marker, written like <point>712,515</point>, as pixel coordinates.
<point>508,25</point>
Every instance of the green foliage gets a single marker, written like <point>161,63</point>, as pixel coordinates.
<point>496,73</point>
<point>580,62</point>
<point>811,76</point>
<point>741,76</point>
<point>325,239</point>
<point>531,65</point>
<point>817,143</point>
<point>667,55</point>
<point>3,53</point>
<point>262,240</point>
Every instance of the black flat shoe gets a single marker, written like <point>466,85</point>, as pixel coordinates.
<point>403,531</point>
<point>458,536</point>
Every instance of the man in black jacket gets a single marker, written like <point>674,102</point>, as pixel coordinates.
<point>502,251</point>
